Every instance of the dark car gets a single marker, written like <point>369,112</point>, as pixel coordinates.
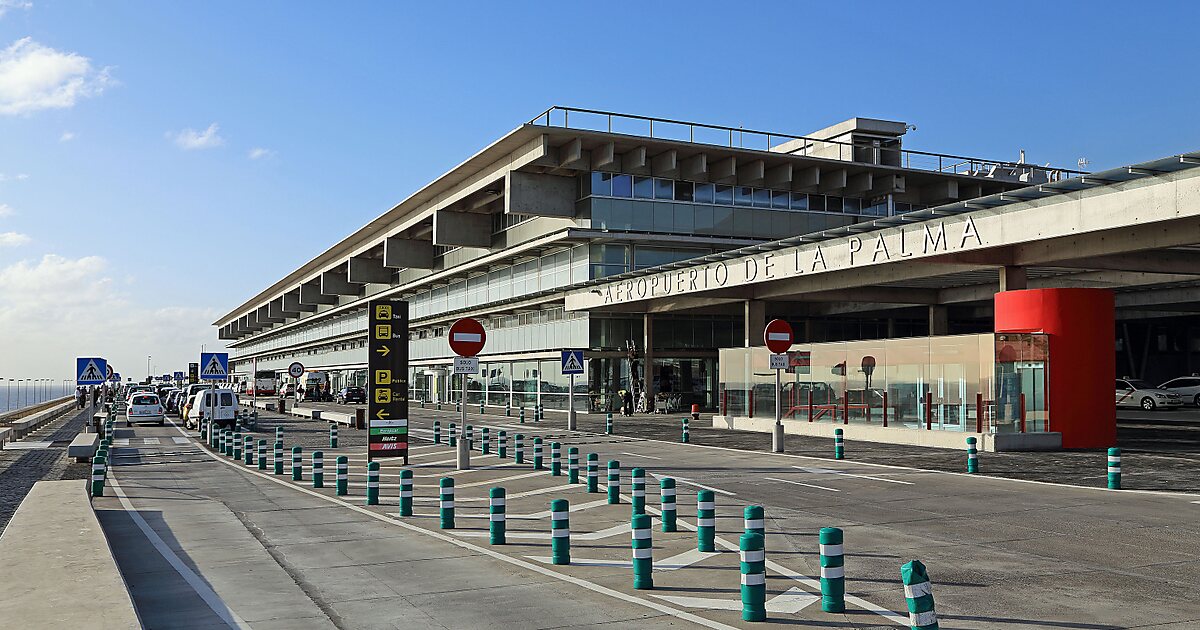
<point>350,395</point>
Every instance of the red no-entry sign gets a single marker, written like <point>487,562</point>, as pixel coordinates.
<point>467,337</point>
<point>778,336</point>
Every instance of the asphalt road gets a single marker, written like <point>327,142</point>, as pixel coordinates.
<point>264,552</point>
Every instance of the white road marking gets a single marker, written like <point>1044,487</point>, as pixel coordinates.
<point>179,440</point>
<point>645,456</point>
<point>787,603</point>
<point>673,563</point>
<point>121,442</point>
<point>535,473</point>
<point>800,483</point>
<point>150,440</point>
<point>574,507</point>
<point>830,471</point>
<point>197,583</point>
<point>686,481</point>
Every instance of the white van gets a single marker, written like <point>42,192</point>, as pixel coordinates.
<point>218,404</point>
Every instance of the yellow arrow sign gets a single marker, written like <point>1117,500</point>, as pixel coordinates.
<point>384,350</point>
<point>382,413</point>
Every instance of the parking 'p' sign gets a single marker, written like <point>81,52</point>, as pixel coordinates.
<point>467,337</point>
<point>778,336</point>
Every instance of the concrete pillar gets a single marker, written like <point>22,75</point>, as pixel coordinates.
<point>648,363</point>
<point>891,328</point>
<point>754,321</point>
<point>939,320</point>
<point>1013,278</point>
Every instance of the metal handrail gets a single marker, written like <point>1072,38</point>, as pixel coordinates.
<point>946,163</point>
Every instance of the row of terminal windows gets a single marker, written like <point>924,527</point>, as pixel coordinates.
<point>637,187</point>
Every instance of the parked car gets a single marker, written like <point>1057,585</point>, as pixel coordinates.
<point>352,395</point>
<point>220,405</point>
<point>1188,388</point>
<point>144,407</point>
<point>1134,393</point>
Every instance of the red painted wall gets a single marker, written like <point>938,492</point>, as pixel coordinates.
<point>1079,388</point>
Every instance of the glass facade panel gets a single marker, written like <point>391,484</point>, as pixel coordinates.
<point>723,195</point>
<point>643,188</point>
<point>743,196</point>
<point>601,184</point>
<point>622,186</point>
<point>762,198</point>
<point>705,193</point>
<point>684,191</point>
<point>664,189</point>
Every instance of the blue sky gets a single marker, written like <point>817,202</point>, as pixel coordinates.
<point>128,221</point>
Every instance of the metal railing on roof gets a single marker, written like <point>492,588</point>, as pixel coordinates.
<point>741,138</point>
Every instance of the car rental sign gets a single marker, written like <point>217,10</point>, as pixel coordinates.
<point>387,381</point>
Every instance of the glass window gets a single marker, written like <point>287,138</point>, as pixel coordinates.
<point>226,399</point>
<point>852,205</point>
<point>724,195</point>
<point>622,186</point>
<point>683,191</point>
<point>799,201</point>
<point>833,204</point>
<point>602,184</point>
<point>704,193</point>
<point>762,198</point>
<point>664,189</point>
<point>816,203</point>
<point>743,196</point>
<point>781,200</point>
<point>643,188</point>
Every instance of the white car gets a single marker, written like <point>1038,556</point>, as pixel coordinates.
<point>221,405</point>
<point>144,407</point>
<point>1188,388</point>
<point>1134,393</point>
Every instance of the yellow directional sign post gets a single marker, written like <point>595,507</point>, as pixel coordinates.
<point>387,384</point>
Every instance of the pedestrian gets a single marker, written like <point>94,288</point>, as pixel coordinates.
<point>626,402</point>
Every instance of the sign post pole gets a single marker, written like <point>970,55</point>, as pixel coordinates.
<point>571,405</point>
<point>572,364</point>
<point>778,337</point>
<point>467,339</point>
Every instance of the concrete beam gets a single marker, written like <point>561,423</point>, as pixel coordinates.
<point>665,164</point>
<point>695,167</point>
<point>463,229</point>
<point>368,271</point>
<point>832,181</point>
<point>605,158</point>
<point>276,309</point>
<point>888,184</point>
<point>1013,278</point>
<point>634,161</point>
<point>291,303</point>
<point>752,173</point>
<point>806,179</point>
<point>725,171</point>
<point>311,294</point>
<point>572,155</point>
<point>779,177</point>
<point>796,287</point>
<point>1157,297</point>
<point>265,317</point>
<point>539,195</point>
<point>249,323</point>
<point>1161,261</point>
<point>858,183</point>
<point>939,191</point>
<point>407,253</point>
<point>336,283</point>
<point>886,295</point>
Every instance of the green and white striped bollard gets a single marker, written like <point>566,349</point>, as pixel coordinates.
<point>706,521</point>
<point>446,502</point>
<point>97,476</point>
<point>221,447</point>
<point>279,433</point>
<point>372,483</point>
<point>486,441</point>
<point>754,577</point>
<point>522,415</point>
<point>593,473</point>
<point>248,450</point>
<point>573,465</point>
<point>204,430</point>
<point>666,488</point>
<point>833,570</point>
<point>502,444</point>
<point>297,463</point>
<point>332,435</point>
<point>318,469</point>
<point>637,480</point>
<point>496,516</point>
<point>519,448</point>
<point>537,454</point>
<point>481,407</point>
<point>555,459</point>
<point>278,457</point>
<point>1114,469</point>
<point>507,409</point>
<point>687,437</point>
<point>643,552</point>
<point>469,436</point>
<point>237,446</point>
<point>614,482</point>
<point>560,532</point>
<point>437,432</point>
<point>453,435</point>
<point>972,456</point>
<point>342,471</point>
<point>839,445</point>
<point>262,454</point>
<point>608,424</point>
<point>754,521</point>
<point>406,492</point>
<point>918,594</point>
<point>541,413</point>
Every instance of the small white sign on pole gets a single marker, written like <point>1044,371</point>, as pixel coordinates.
<point>779,361</point>
<point>466,365</point>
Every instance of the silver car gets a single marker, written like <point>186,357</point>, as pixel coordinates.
<point>1134,393</point>
<point>1188,387</point>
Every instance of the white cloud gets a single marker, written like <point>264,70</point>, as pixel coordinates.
<point>7,5</point>
<point>34,77</point>
<point>258,153</point>
<point>56,308</point>
<point>13,239</point>
<point>67,136</point>
<point>19,177</point>
<point>190,139</point>
<point>6,210</point>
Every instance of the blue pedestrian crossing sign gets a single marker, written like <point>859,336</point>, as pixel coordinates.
<point>572,361</point>
<point>214,366</point>
<point>179,376</point>
<point>90,370</point>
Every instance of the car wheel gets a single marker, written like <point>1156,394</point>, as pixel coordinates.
<point>1196,400</point>
<point>1148,403</point>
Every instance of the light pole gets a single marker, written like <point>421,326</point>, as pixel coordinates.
<point>8,396</point>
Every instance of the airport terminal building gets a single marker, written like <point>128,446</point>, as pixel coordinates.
<point>662,247</point>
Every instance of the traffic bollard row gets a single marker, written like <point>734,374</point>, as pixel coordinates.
<point>643,552</point>
<point>248,450</point>
<point>437,432</point>
<point>839,445</point>
<point>278,457</point>
<point>972,456</point>
<point>608,424</point>
<point>918,594</point>
<point>686,435</point>
<point>560,532</point>
<point>297,463</point>
<point>372,483</point>
<point>573,465</point>
<point>453,435</point>
<point>502,444</point>
<point>666,488</point>
<point>237,446</point>
<point>637,480</point>
<point>537,454</point>
<point>754,521</point>
<point>318,469</point>
<point>98,473</point>
<point>342,483</point>
<point>262,454</point>
<point>833,570</point>
<point>446,502</point>
<point>614,482</point>
<point>706,521</point>
<point>278,433</point>
<point>333,437</point>
<point>522,415</point>
<point>1114,469</point>
<point>469,436</point>
<point>754,577</point>
<point>486,443</point>
<point>406,492</point>
<point>496,516</point>
<point>593,473</point>
<point>555,459</point>
<point>519,448</point>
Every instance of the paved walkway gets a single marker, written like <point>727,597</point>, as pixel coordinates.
<point>20,468</point>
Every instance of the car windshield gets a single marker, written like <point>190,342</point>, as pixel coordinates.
<point>354,390</point>
<point>145,400</point>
